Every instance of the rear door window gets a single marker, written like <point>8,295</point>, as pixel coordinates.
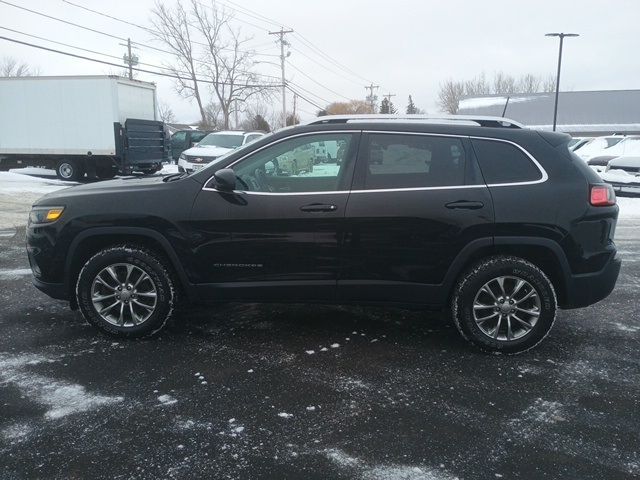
<point>396,161</point>
<point>503,162</point>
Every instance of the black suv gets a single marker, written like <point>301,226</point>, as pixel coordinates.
<point>501,223</point>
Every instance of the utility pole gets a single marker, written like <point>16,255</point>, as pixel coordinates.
<point>129,58</point>
<point>281,33</point>
<point>371,98</point>
<point>295,96</point>
<point>561,36</point>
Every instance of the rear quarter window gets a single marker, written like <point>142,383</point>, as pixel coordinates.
<point>503,162</point>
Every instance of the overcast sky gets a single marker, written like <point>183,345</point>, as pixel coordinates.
<point>406,47</point>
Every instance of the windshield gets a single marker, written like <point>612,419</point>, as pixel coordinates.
<point>223,140</point>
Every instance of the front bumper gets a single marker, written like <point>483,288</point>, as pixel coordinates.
<point>189,166</point>
<point>586,289</point>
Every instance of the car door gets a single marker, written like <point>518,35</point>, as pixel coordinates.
<point>417,201</point>
<point>277,233</point>
<point>178,142</point>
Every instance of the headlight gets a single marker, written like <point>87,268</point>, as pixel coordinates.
<point>183,156</point>
<point>45,214</point>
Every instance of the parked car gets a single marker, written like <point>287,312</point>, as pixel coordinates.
<point>598,145</point>
<point>576,143</point>
<point>623,173</point>
<point>213,146</point>
<point>502,224</point>
<point>185,139</point>
<point>628,146</point>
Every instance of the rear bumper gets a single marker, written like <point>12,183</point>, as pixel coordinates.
<point>54,290</point>
<point>586,289</point>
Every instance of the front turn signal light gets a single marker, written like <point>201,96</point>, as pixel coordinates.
<point>41,215</point>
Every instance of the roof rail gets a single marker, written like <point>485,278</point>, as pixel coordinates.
<point>475,120</point>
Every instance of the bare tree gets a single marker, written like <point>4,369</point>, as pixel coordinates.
<point>451,91</point>
<point>11,67</point>
<point>228,65</point>
<point>449,95</point>
<point>166,113</point>
<point>529,83</point>
<point>549,84</point>
<point>174,29</point>
<point>212,117</point>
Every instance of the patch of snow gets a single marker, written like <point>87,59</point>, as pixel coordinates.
<point>626,328</point>
<point>285,415</point>
<point>335,345</point>
<point>12,182</point>
<point>311,408</point>
<point>629,207</point>
<point>310,352</point>
<point>361,469</point>
<point>17,431</point>
<point>250,370</point>
<point>62,398</point>
<point>167,399</point>
<point>12,274</point>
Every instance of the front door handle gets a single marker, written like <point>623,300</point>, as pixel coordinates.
<point>465,205</point>
<point>319,207</point>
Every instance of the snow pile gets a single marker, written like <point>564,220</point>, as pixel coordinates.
<point>167,400</point>
<point>12,182</point>
<point>14,274</point>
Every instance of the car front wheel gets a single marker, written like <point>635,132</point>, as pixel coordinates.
<point>504,304</point>
<point>126,291</point>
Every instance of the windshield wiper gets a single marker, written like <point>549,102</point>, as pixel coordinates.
<point>174,176</point>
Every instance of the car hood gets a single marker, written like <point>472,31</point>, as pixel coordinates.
<point>630,161</point>
<point>126,184</point>
<point>204,151</point>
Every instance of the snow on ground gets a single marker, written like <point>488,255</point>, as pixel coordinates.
<point>629,207</point>
<point>61,398</point>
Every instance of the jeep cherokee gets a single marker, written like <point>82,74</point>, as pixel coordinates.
<point>500,223</point>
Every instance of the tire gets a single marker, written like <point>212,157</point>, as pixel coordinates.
<point>486,317</point>
<point>69,170</point>
<point>135,312</point>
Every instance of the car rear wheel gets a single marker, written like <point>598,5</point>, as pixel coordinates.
<point>504,304</point>
<point>126,291</point>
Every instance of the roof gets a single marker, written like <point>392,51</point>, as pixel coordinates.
<point>598,110</point>
<point>476,120</point>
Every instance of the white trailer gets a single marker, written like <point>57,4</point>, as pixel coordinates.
<point>99,125</point>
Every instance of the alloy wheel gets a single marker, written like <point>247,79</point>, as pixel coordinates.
<point>506,308</point>
<point>124,295</point>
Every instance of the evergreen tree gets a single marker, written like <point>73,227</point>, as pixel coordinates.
<point>411,107</point>
<point>384,106</point>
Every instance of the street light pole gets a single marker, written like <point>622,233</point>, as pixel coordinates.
<point>561,36</point>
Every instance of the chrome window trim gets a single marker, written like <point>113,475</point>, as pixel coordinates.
<point>543,172</point>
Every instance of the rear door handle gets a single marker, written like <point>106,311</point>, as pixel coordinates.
<point>465,204</point>
<point>319,207</point>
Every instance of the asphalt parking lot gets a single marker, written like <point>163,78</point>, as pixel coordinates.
<point>315,392</point>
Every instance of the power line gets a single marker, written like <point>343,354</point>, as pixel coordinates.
<point>318,83</point>
<point>115,56</point>
<point>100,32</point>
<point>305,98</point>
<point>162,74</point>
<point>309,92</point>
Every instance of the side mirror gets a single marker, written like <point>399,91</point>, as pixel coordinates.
<point>225,180</point>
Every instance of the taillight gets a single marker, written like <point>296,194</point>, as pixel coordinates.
<point>602,196</point>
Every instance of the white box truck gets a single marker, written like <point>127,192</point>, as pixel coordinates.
<point>77,125</point>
